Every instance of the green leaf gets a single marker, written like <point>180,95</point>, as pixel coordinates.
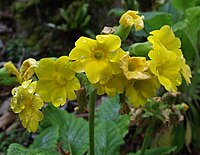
<point>81,13</point>
<point>47,138</point>
<point>111,127</point>
<point>155,20</point>
<point>195,134</point>
<point>116,11</point>
<point>181,25</point>
<point>73,131</point>
<point>17,149</point>
<point>193,16</point>
<point>179,136</point>
<point>109,111</point>
<point>188,134</point>
<point>182,5</point>
<point>195,117</point>
<point>107,139</point>
<point>157,151</point>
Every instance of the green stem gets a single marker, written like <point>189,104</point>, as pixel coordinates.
<point>92,101</point>
<point>122,32</point>
<point>147,135</point>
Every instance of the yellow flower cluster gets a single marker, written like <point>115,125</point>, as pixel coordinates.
<point>108,68</point>
<point>27,103</point>
<point>167,61</point>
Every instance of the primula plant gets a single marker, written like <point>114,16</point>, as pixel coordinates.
<point>100,67</point>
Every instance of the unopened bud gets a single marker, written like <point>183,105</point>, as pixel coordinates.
<point>140,49</point>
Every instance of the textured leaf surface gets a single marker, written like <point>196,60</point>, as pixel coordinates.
<point>107,139</point>
<point>17,149</point>
<point>109,111</point>
<point>73,131</point>
<point>47,138</point>
<point>111,127</point>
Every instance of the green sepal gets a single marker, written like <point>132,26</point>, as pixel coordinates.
<point>140,49</point>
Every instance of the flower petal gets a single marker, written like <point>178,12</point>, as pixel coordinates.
<point>83,49</point>
<point>98,71</point>
<point>110,42</point>
<point>58,97</point>
<point>45,68</point>
<point>62,66</point>
<point>45,89</point>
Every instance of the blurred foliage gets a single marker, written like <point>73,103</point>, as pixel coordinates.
<point>47,27</point>
<point>14,135</point>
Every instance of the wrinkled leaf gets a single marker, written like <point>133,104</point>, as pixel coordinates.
<point>47,138</point>
<point>73,131</point>
<point>17,149</point>
<point>107,139</point>
<point>109,111</point>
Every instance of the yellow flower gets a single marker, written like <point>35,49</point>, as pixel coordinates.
<point>130,18</point>
<point>185,70</point>
<point>166,66</point>
<point>135,67</point>
<point>27,68</point>
<point>27,103</point>
<point>9,66</point>
<point>114,86</point>
<point>57,80</point>
<point>138,91</point>
<point>99,58</point>
<point>166,37</point>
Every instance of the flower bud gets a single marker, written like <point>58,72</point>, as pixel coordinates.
<point>140,49</point>
<point>27,68</point>
<point>10,67</point>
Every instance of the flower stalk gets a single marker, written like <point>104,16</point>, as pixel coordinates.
<point>147,135</point>
<point>92,100</point>
<point>122,32</point>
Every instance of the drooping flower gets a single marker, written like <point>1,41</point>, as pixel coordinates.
<point>57,81</point>
<point>185,70</point>
<point>166,37</point>
<point>27,103</point>
<point>27,68</point>
<point>10,67</point>
<point>166,66</point>
<point>114,86</point>
<point>138,91</point>
<point>99,58</point>
<point>130,18</point>
<point>135,67</point>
